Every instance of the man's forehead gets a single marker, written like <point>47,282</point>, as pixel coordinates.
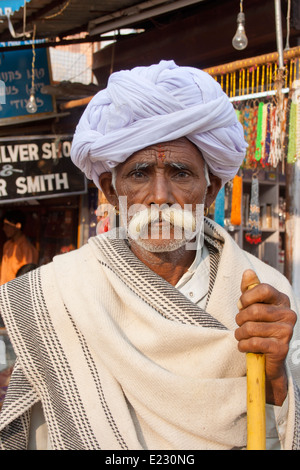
<point>180,152</point>
<point>147,164</point>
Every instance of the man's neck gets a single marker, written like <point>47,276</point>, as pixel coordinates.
<point>170,265</point>
<point>16,236</point>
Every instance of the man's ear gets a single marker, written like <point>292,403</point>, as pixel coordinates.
<point>213,189</point>
<point>105,181</point>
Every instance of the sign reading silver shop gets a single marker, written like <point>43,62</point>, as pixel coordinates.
<point>36,168</point>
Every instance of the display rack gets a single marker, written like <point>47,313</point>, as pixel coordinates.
<point>271,249</point>
<point>255,83</point>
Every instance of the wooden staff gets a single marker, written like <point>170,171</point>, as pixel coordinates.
<point>256,399</point>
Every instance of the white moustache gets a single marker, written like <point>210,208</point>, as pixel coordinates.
<point>176,217</point>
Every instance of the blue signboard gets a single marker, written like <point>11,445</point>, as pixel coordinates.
<point>16,73</point>
<point>9,6</point>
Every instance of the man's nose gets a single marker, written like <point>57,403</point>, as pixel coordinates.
<point>161,192</point>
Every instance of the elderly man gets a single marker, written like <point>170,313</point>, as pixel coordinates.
<point>137,340</point>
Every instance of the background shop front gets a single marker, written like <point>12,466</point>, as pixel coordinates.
<point>38,177</point>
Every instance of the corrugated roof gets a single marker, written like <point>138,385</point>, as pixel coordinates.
<point>54,18</point>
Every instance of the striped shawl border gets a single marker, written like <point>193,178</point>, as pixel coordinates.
<point>296,437</point>
<point>15,414</point>
<point>74,432</point>
<point>153,289</point>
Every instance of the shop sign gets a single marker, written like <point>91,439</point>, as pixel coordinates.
<point>38,167</point>
<point>16,82</point>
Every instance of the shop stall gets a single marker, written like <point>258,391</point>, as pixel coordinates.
<point>258,204</point>
<point>37,175</point>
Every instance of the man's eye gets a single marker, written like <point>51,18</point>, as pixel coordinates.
<point>182,174</point>
<point>137,174</point>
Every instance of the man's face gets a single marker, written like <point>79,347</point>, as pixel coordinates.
<point>163,175</point>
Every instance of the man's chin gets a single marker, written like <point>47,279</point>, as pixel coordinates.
<point>160,246</point>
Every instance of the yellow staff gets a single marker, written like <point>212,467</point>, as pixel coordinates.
<point>256,400</point>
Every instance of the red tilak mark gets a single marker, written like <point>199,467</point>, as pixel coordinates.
<point>161,153</point>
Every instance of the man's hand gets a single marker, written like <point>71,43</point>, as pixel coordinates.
<point>266,325</point>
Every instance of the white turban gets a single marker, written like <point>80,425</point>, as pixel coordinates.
<point>160,103</point>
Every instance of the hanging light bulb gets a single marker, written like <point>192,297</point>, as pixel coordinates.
<point>240,40</point>
<point>31,106</point>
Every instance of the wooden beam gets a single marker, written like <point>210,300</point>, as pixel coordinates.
<point>258,60</point>
<point>75,103</point>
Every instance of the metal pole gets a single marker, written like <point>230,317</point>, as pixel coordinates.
<point>278,25</point>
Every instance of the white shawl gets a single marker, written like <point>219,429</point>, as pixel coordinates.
<point>121,360</point>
